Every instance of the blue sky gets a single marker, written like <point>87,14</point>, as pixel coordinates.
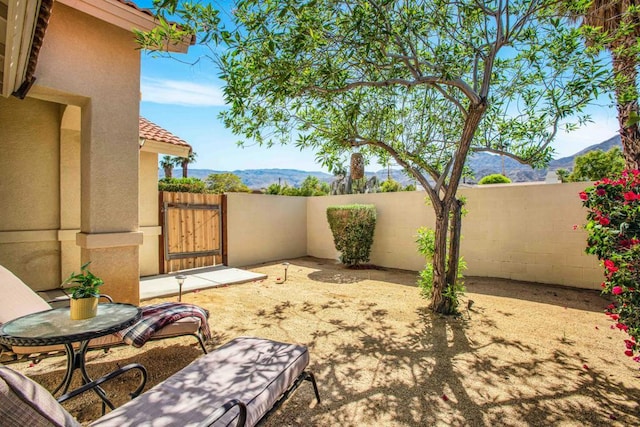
<point>184,96</point>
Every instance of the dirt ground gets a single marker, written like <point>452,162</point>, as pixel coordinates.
<point>525,354</point>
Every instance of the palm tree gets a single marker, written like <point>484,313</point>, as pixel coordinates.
<point>167,163</point>
<point>184,162</point>
<point>620,25</point>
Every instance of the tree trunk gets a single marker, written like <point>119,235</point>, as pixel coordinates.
<point>454,252</point>
<point>185,167</point>
<point>449,204</point>
<point>168,172</point>
<point>625,74</point>
<point>439,303</point>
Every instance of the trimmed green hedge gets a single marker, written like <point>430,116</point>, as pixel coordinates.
<point>182,185</point>
<point>352,227</point>
<point>496,178</point>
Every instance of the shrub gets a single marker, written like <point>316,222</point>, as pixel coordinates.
<point>613,226</point>
<point>352,227</point>
<point>390,186</point>
<point>182,185</point>
<point>495,178</point>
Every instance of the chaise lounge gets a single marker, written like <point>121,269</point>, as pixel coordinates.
<point>240,383</point>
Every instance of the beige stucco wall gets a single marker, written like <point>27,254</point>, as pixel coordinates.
<point>521,232</point>
<point>262,228</point>
<point>526,232</point>
<point>94,65</point>
<point>29,190</point>
<point>149,210</point>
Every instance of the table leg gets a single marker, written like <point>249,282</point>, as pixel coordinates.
<point>71,366</point>
<point>76,360</point>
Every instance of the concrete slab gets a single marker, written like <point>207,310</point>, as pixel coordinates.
<point>198,278</point>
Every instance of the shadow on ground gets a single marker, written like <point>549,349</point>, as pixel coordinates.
<point>525,354</point>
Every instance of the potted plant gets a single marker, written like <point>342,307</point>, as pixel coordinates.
<point>85,293</point>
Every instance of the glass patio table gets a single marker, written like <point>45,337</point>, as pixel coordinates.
<point>55,327</point>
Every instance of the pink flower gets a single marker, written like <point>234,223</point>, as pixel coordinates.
<point>629,344</point>
<point>601,191</point>
<point>628,353</point>
<point>583,195</point>
<point>575,226</point>
<point>617,290</point>
<point>622,327</point>
<point>610,266</point>
<point>604,221</point>
<point>630,196</point>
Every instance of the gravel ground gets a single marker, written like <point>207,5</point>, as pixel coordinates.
<point>525,354</point>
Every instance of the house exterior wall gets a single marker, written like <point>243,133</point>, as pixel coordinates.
<point>93,65</point>
<point>149,214</point>
<point>262,228</point>
<point>29,190</point>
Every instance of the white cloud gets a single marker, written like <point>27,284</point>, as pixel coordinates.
<point>176,92</point>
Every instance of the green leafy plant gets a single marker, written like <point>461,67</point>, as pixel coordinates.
<point>613,227</point>
<point>597,165</point>
<point>495,178</point>
<point>225,182</point>
<point>87,283</point>
<point>426,241</point>
<point>353,227</point>
<point>182,185</point>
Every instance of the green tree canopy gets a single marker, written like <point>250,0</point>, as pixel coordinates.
<point>597,164</point>
<point>614,26</point>
<point>226,182</point>
<point>311,186</point>
<point>423,83</point>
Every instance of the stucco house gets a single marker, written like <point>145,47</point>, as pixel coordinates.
<point>75,167</point>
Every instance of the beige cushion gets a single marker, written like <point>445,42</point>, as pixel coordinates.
<point>24,403</point>
<point>187,325</point>
<point>16,298</point>
<point>253,370</point>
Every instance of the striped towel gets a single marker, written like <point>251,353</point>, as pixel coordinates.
<point>157,316</point>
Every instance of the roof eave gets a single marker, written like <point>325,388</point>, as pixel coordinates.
<point>125,16</point>
<point>20,24</point>
<point>159,147</point>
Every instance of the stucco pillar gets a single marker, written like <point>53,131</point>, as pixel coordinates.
<point>94,65</point>
<point>109,234</point>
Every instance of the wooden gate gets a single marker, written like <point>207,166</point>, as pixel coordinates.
<point>192,230</point>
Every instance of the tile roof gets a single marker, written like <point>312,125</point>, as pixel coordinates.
<point>135,6</point>
<point>153,132</point>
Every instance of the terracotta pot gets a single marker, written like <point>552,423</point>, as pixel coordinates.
<point>83,308</point>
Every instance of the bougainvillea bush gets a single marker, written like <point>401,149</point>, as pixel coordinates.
<point>613,226</point>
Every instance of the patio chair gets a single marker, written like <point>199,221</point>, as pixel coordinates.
<point>241,383</point>
<point>17,299</point>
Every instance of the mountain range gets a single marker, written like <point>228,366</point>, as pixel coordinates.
<point>481,164</point>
